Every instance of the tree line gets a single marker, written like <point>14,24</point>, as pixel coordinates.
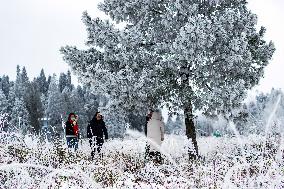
<point>25,102</point>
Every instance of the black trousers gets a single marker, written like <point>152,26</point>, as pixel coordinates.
<point>96,146</point>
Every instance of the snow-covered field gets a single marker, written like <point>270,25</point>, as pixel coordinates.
<point>246,162</point>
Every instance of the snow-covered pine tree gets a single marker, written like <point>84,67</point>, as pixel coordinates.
<point>196,55</point>
<point>42,82</point>
<point>24,81</point>
<point>178,126</point>
<point>5,85</point>
<point>19,117</point>
<point>169,125</point>
<point>34,106</point>
<point>78,105</point>
<point>69,80</point>
<point>67,101</point>
<point>55,105</point>
<point>276,124</point>
<point>204,125</point>
<point>136,122</point>
<point>17,84</point>
<point>91,103</point>
<point>3,103</point>
<point>62,82</point>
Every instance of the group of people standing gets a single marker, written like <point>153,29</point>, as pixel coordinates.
<point>97,134</point>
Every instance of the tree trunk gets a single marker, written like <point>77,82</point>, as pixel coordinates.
<point>188,113</point>
<point>190,131</point>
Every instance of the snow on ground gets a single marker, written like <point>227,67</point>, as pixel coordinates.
<point>246,162</point>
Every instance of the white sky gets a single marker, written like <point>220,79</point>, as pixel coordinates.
<point>32,31</point>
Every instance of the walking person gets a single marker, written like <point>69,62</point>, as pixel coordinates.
<point>72,131</point>
<point>97,132</point>
<point>155,136</point>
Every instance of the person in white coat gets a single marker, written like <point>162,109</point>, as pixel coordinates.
<point>155,135</point>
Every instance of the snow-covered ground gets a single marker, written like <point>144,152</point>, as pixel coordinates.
<point>246,162</point>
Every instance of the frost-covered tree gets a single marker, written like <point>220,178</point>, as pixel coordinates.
<point>136,122</point>
<point>91,103</point>
<point>204,125</point>
<point>265,105</point>
<point>17,84</point>
<point>65,81</point>
<point>69,80</point>
<point>114,119</point>
<point>55,104</point>
<point>174,126</point>
<point>42,82</point>
<point>3,103</point>
<point>62,81</point>
<point>34,106</point>
<point>178,127</point>
<point>5,85</point>
<point>69,105</point>
<point>21,82</point>
<point>192,55</point>
<point>19,116</point>
<point>169,125</point>
<point>24,81</point>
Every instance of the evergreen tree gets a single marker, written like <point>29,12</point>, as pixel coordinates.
<point>69,80</point>
<point>3,103</point>
<point>18,82</point>
<point>49,80</point>
<point>81,93</point>
<point>11,99</point>
<point>42,82</point>
<point>68,103</point>
<point>114,119</point>
<point>44,102</point>
<point>91,104</point>
<point>204,125</point>
<point>34,106</point>
<point>5,85</point>
<point>63,82</point>
<point>19,116</point>
<point>137,122</point>
<point>24,80</point>
<point>55,105</point>
<point>169,125</point>
<point>195,55</point>
<point>78,107</point>
<point>178,126</point>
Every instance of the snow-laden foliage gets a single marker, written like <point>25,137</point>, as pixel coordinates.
<point>204,53</point>
<point>188,55</point>
<point>3,121</point>
<point>246,162</point>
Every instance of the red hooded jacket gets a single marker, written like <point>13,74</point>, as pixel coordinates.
<point>73,127</point>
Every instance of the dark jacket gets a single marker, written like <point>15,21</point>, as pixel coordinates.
<point>97,129</point>
<point>69,128</point>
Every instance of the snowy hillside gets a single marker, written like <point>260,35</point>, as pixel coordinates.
<point>244,162</point>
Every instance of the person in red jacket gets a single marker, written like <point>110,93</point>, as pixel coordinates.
<point>72,131</point>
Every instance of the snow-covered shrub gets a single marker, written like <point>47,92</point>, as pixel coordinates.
<point>246,162</point>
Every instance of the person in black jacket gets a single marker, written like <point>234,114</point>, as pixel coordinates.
<point>97,132</point>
